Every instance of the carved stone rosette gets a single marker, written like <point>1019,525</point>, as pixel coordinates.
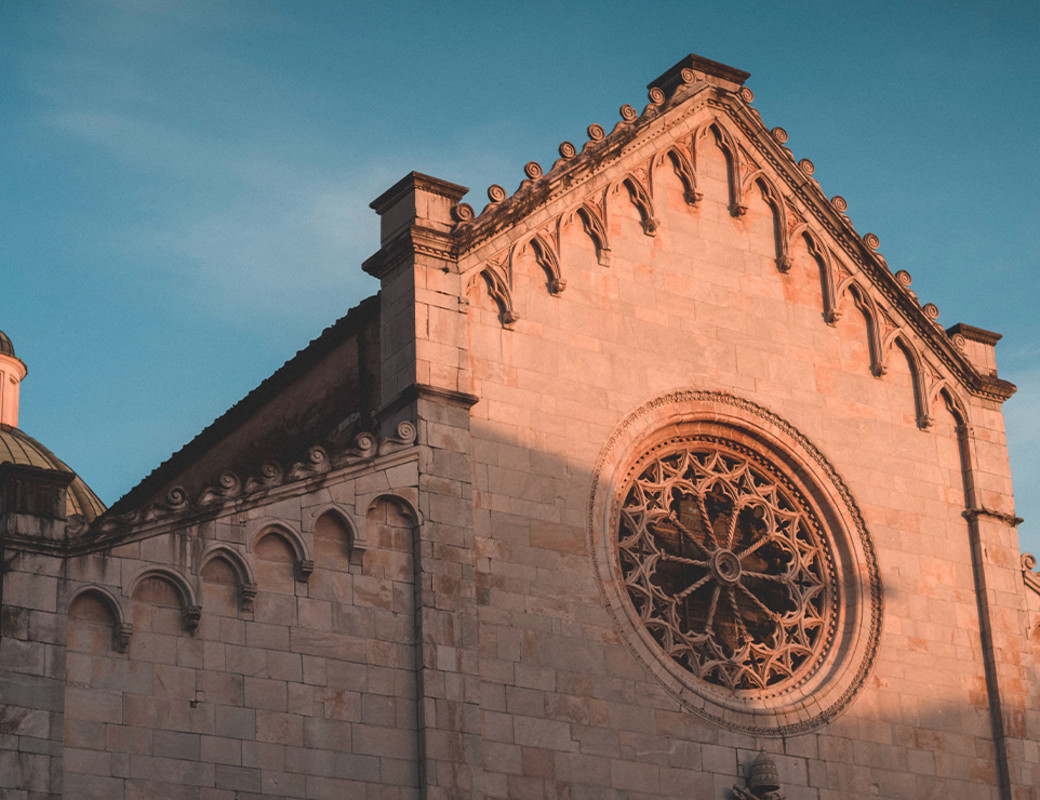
<point>735,562</point>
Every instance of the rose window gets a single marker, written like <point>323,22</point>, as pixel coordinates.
<point>734,562</point>
<point>725,565</point>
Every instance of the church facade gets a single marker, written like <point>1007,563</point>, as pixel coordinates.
<point>651,479</point>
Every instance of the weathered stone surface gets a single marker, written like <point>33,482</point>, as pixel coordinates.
<point>442,608</point>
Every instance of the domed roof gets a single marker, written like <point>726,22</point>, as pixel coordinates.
<point>6,346</point>
<point>18,447</point>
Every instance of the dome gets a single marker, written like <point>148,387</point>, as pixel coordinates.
<point>18,447</point>
<point>6,346</point>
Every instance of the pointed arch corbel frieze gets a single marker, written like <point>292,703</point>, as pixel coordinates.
<point>546,249</point>
<point>637,184</point>
<point>497,277</point>
<point>724,141</point>
<point>917,375</point>
<point>865,303</point>
<point>942,392</point>
<point>775,200</point>
<point>592,218</point>
<point>681,160</point>
<point>821,255</point>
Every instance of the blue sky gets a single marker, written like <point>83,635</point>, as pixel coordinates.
<point>184,186</point>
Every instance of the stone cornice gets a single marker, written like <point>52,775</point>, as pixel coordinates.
<point>178,521</point>
<point>419,391</point>
<point>415,240</point>
<point>991,513</point>
<point>980,335</point>
<point>413,181</point>
<point>672,79</point>
<point>275,483</point>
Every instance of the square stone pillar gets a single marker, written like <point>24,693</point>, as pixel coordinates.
<point>32,630</point>
<point>424,380</point>
<point>422,318</point>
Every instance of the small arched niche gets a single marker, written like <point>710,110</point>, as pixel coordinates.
<point>276,562</point>
<point>163,603</point>
<point>335,543</point>
<point>228,581</point>
<point>220,588</point>
<point>390,524</point>
<point>95,624</point>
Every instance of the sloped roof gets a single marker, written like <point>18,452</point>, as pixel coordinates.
<point>244,409</point>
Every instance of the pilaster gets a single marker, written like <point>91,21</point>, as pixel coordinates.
<point>1011,680</point>
<point>32,631</point>
<point>423,321</point>
<point>425,378</point>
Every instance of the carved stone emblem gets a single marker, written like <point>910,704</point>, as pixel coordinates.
<point>763,781</point>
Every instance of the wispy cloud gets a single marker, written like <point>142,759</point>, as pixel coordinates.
<point>244,206</point>
<point>245,224</point>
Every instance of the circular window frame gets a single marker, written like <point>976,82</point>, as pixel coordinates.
<point>812,698</point>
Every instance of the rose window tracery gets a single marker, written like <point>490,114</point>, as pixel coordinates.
<point>725,565</point>
<point>735,563</point>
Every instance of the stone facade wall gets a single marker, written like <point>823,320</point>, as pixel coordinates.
<point>568,711</point>
<point>265,652</point>
<point>426,612</point>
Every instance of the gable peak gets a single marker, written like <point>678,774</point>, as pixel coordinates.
<point>688,69</point>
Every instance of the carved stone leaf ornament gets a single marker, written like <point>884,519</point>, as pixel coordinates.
<point>735,562</point>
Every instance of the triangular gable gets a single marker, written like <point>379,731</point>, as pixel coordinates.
<point>694,103</point>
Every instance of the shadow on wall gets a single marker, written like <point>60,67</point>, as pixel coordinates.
<point>269,692</point>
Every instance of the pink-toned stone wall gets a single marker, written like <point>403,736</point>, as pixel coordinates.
<point>299,680</point>
<point>425,621</point>
<point>567,710</point>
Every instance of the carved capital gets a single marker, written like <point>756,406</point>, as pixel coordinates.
<point>123,635</point>
<point>246,595</point>
<point>304,568</point>
<point>190,617</point>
